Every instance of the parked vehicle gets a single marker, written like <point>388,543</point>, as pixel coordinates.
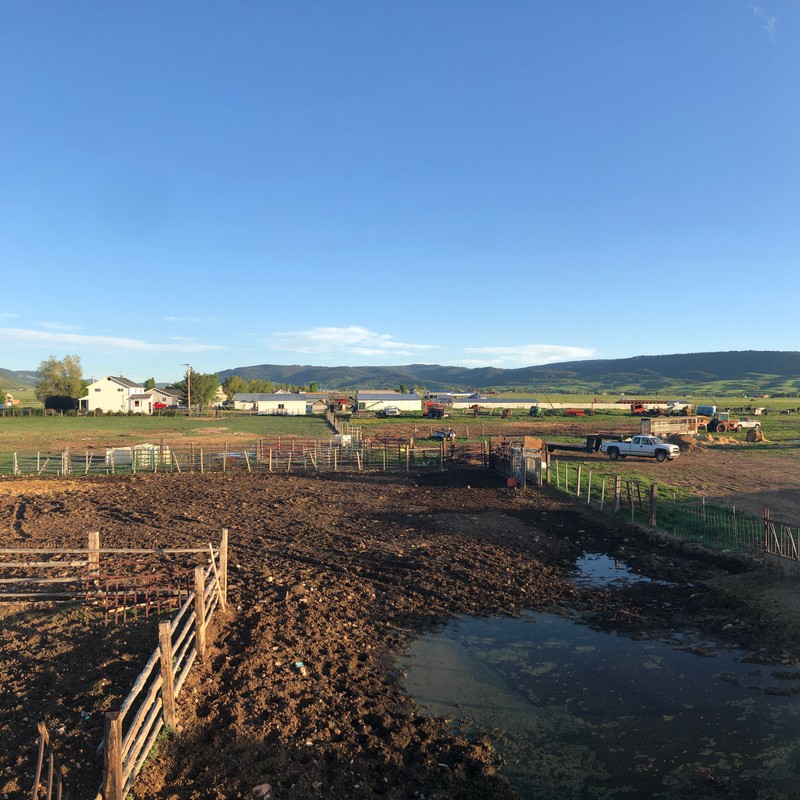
<point>449,434</point>
<point>722,422</point>
<point>646,446</point>
<point>390,411</point>
<point>434,410</point>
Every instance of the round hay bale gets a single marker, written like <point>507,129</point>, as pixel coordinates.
<point>755,435</point>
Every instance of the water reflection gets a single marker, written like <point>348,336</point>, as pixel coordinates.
<point>583,714</point>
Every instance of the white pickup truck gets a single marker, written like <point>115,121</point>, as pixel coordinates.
<point>647,446</point>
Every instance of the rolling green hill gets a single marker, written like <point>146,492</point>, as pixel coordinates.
<point>735,372</point>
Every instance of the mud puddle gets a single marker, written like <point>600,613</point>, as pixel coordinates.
<point>601,571</point>
<point>578,713</point>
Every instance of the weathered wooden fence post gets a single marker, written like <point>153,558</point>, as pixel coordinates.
<point>200,610</point>
<point>167,675</point>
<point>653,495</point>
<point>112,779</point>
<point>578,488</point>
<point>617,494</point>
<point>93,557</point>
<point>766,530</point>
<point>223,564</point>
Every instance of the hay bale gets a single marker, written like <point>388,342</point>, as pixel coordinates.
<point>685,443</point>
<point>755,435</point>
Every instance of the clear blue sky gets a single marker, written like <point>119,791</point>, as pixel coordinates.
<point>512,182</point>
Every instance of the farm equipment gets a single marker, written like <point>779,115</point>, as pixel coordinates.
<point>638,408</point>
<point>591,445</point>
<point>434,410</point>
<point>574,412</point>
<point>449,434</point>
<point>723,421</point>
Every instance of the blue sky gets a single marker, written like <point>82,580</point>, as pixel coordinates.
<point>512,182</point>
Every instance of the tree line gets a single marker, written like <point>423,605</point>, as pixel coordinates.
<point>61,385</point>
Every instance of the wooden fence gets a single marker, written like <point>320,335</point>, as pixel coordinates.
<point>281,454</point>
<point>121,581</point>
<point>131,730</point>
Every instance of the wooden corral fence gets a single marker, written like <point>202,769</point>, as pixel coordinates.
<point>131,731</point>
<point>49,781</point>
<point>121,581</point>
<point>781,540</point>
<point>343,452</point>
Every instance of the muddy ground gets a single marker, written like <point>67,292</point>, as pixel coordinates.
<point>339,572</point>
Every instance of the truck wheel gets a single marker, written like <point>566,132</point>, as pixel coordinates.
<point>721,427</point>
<point>661,455</point>
<point>613,453</point>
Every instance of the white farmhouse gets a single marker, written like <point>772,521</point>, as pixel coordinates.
<point>111,394</point>
<point>377,401</point>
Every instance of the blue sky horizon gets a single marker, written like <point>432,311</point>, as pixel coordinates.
<point>459,183</point>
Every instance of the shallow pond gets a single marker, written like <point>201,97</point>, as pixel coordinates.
<point>578,713</point>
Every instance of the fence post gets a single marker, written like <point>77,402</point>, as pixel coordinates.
<point>200,610</point>
<point>112,781</point>
<point>653,494</point>
<point>766,529</point>
<point>617,493</point>
<point>223,565</point>
<point>578,488</point>
<point>167,675</point>
<point>93,559</point>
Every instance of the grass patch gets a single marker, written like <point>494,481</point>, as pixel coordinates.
<point>56,433</point>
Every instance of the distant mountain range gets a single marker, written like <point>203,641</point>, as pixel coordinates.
<point>744,372</point>
<point>773,372</point>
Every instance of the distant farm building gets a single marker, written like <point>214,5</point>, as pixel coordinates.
<point>378,401</point>
<point>279,403</point>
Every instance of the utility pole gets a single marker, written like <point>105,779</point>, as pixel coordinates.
<point>189,387</point>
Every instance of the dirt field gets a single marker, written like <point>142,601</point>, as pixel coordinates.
<point>338,572</point>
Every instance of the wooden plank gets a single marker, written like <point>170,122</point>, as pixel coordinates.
<point>167,676</point>
<point>112,780</point>
<point>139,683</point>
<point>199,610</point>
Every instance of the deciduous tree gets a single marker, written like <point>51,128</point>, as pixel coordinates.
<point>235,384</point>
<point>64,378</point>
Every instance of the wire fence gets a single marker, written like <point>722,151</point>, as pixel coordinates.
<point>717,527</point>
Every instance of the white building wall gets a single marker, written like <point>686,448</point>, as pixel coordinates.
<point>108,395</point>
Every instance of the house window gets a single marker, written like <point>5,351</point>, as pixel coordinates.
<point>98,390</point>
<point>281,406</point>
<point>136,403</point>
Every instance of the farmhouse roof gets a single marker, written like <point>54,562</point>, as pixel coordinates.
<point>387,395</point>
<point>124,381</point>
<point>253,397</point>
<point>145,396</point>
<point>503,401</point>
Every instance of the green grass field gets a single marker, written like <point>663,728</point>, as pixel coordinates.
<point>56,433</point>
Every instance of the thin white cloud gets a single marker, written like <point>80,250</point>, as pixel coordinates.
<point>8,315</point>
<point>526,355</point>
<point>769,22</point>
<point>58,339</point>
<point>57,326</point>
<point>184,320</point>
<point>351,340</point>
